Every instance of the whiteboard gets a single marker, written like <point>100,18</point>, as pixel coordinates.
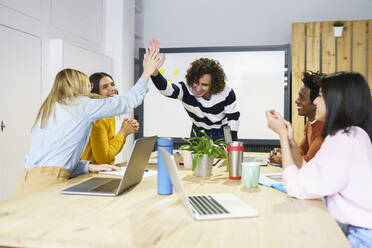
<point>259,80</point>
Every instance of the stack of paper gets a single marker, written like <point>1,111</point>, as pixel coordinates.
<point>274,180</point>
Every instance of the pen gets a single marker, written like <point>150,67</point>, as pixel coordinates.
<point>279,187</point>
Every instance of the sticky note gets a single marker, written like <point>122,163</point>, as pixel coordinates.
<point>169,80</point>
<point>176,72</point>
<point>162,70</point>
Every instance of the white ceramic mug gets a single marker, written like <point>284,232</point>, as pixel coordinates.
<point>250,173</point>
<point>187,159</point>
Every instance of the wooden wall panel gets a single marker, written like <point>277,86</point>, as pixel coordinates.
<point>328,63</point>
<point>298,67</point>
<point>313,46</point>
<point>344,48</point>
<point>359,49</point>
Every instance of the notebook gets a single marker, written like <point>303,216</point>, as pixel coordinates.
<point>258,159</point>
<point>274,180</point>
<point>133,175</point>
<point>207,206</point>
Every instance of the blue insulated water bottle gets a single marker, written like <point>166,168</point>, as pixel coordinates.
<point>165,186</point>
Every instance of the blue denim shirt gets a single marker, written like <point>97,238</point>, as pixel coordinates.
<point>62,141</point>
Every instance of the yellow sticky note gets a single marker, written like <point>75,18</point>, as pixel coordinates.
<point>176,72</point>
<point>169,80</point>
<point>162,70</point>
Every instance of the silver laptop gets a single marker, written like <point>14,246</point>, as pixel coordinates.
<point>210,206</point>
<point>228,140</point>
<point>140,154</point>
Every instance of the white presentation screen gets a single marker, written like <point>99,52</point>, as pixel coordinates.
<point>257,77</point>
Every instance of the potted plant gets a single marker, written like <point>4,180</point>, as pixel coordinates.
<point>204,150</point>
<point>337,28</point>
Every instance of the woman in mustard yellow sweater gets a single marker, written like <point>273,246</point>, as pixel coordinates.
<point>104,144</point>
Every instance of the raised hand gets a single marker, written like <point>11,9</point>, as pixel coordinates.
<point>276,122</point>
<point>151,61</point>
<point>289,130</point>
<point>154,46</point>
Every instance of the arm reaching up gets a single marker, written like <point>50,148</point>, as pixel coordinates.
<point>152,61</point>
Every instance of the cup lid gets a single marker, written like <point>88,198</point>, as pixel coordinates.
<point>236,143</point>
<point>251,164</point>
<point>165,141</point>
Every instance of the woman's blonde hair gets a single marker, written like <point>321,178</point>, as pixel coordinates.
<point>68,85</point>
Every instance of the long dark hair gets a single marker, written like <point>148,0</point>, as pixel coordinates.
<point>348,101</point>
<point>94,80</point>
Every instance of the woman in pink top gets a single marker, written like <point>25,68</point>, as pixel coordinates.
<point>342,168</point>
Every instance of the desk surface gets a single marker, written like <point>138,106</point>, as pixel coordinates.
<point>142,218</point>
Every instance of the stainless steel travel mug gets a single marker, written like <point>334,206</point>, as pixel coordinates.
<point>235,156</point>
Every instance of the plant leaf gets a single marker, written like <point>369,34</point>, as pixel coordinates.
<point>186,147</point>
<point>195,160</point>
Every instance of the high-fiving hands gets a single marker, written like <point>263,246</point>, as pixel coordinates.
<point>154,45</point>
<point>152,61</point>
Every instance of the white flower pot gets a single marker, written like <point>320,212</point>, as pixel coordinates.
<point>337,31</point>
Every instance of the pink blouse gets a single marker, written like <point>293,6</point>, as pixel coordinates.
<point>341,170</point>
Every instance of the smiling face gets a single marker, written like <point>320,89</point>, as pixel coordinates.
<point>202,88</point>
<point>107,87</point>
<point>304,105</point>
<point>321,110</point>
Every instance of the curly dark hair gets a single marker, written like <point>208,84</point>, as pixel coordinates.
<point>312,81</point>
<point>207,66</point>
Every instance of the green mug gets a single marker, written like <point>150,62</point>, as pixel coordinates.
<point>250,173</point>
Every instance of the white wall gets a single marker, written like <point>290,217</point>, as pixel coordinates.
<point>86,28</point>
<point>96,26</point>
<point>27,26</point>
<point>77,22</point>
<point>119,39</point>
<point>196,23</point>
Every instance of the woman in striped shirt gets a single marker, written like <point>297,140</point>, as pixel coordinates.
<point>210,104</point>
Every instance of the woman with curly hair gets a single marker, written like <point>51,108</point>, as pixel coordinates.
<point>210,104</point>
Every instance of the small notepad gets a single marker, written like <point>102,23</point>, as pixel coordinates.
<point>274,180</point>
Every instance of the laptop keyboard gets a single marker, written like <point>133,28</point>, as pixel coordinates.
<point>110,187</point>
<point>91,183</point>
<point>207,205</point>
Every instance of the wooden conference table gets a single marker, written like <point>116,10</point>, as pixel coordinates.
<point>142,218</point>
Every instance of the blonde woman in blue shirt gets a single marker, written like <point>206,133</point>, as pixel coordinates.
<point>63,124</point>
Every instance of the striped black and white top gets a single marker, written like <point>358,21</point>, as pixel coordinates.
<point>218,111</point>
